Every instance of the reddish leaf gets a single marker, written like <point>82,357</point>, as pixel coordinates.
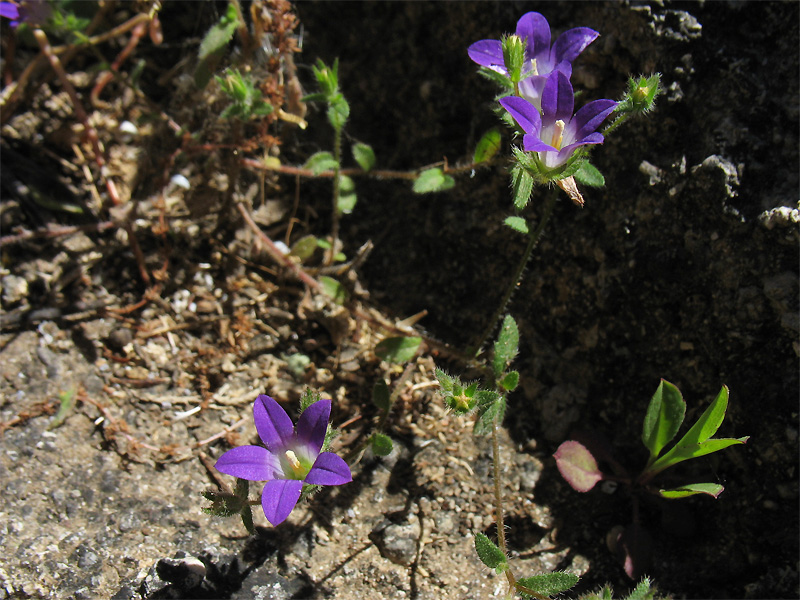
<point>577,465</point>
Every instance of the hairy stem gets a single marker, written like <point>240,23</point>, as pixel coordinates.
<point>533,240</point>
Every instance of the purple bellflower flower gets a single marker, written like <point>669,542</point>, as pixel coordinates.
<point>34,12</point>
<point>541,58</point>
<point>556,133</point>
<point>291,457</point>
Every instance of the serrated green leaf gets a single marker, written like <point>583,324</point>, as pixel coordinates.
<point>510,381</point>
<point>577,466</point>
<point>547,584</point>
<point>381,444</point>
<point>220,34</point>
<point>488,552</point>
<point>487,146</point>
<point>320,161</point>
<point>517,224</point>
<point>364,155</point>
<point>432,180</point>
<point>521,186</point>
<point>712,489</point>
<point>334,289</point>
<point>663,418</point>
<point>589,175</point>
<point>488,414</point>
<point>506,346</point>
<point>398,349</point>
<point>381,396</point>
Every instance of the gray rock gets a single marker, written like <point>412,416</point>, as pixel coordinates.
<point>397,542</point>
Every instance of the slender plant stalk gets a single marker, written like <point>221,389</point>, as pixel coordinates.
<point>337,156</point>
<point>533,240</point>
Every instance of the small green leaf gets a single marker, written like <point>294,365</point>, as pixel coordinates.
<point>577,466</point>
<point>517,224</point>
<point>364,155</point>
<point>67,403</point>
<point>320,161</point>
<point>547,584</point>
<point>432,180</point>
<point>681,453</point>
<point>589,175</point>
<point>663,419</point>
<point>488,552</point>
<point>334,289</point>
<point>521,186</point>
<point>712,489</point>
<point>347,196</point>
<point>220,34</point>
<point>304,248</point>
<point>381,396</point>
<point>506,346</point>
<point>487,146</point>
<point>381,444</point>
<point>510,381</point>
<point>398,349</point>
<point>488,414</point>
<point>709,422</point>
<point>338,111</point>
<point>247,519</point>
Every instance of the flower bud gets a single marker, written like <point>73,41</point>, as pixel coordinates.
<point>513,56</point>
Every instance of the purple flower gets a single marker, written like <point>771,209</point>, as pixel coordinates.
<point>541,59</point>
<point>557,132</point>
<point>34,12</point>
<point>291,458</point>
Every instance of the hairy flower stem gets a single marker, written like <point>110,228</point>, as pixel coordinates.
<point>337,156</point>
<point>533,240</point>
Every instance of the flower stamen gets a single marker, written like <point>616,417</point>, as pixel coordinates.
<point>558,134</point>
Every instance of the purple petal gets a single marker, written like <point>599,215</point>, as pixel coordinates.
<point>9,10</point>
<point>532,143</point>
<point>274,426</point>
<point>312,425</point>
<point>329,469</point>
<point>536,29</point>
<point>558,99</point>
<point>253,463</point>
<point>571,43</point>
<point>279,497</point>
<point>589,118</point>
<point>566,151</point>
<point>524,113</point>
<point>487,53</point>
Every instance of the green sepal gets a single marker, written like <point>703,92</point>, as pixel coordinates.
<point>498,78</point>
<point>334,289</point>
<point>432,180</point>
<point>510,381</point>
<point>692,489</point>
<point>364,155</point>
<point>397,349</point>
<point>447,382</point>
<point>643,591</point>
<point>664,416</point>
<point>518,224</point>
<point>381,444</point>
<point>381,396</point>
<point>308,398</point>
<point>488,552</point>
<point>487,146</point>
<point>521,186</point>
<point>320,161</point>
<point>589,175</point>
<point>491,408</point>
<point>506,346</point>
<point>547,584</point>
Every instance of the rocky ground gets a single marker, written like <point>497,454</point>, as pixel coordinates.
<point>685,266</point>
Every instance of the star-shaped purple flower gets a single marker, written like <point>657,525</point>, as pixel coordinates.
<point>292,456</point>
<point>541,58</point>
<point>556,133</point>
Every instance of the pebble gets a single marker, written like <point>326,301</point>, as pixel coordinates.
<point>397,542</point>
